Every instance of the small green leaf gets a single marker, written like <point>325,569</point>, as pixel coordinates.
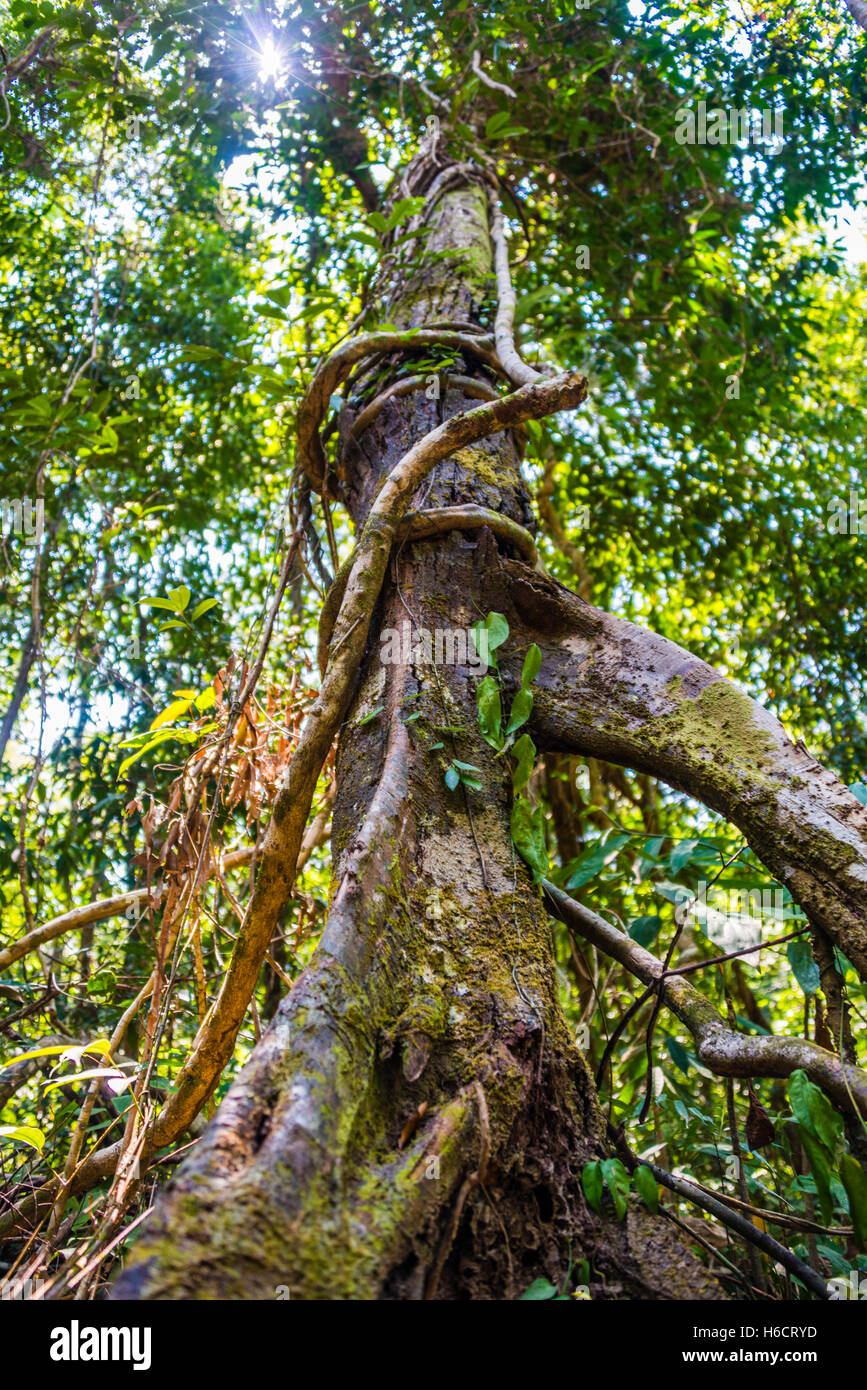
<point>539,1289</point>
<point>172,713</point>
<point>488,636</point>
<point>532,666</point>
<point>855,1183</point>
<point>813,1111</point>
<point>593,859</point>
<point>372,715</point>
<point>645,930</point>
<point>199,354</point>
<point>645,1185</point>
<point>204,607</point>
<point>490,711</point>
<point>820,1167</point>
<point>179,597</point>
<point>678,1054</point>
<point>804,968</point>
<point>453,778</point>
<point>524,758</point>
<point>528,833</point>
<point>522,707</point>
<point>618,1182</point>
<point>681,855</point>
<point>496,122</point>
<point>27,1134</point>
<point>592,1183</point>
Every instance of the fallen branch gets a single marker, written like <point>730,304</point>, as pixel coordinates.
<point>743,1227</point>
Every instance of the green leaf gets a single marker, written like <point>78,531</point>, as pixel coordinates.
<point>820,1167</point>
<point>522,707</point>
<point>588,864</point>
<point>488,636</point>
<point>532,666</point>
<point>618,1182</point>
<point>813,1111</point>
<point>804,968</point>
<point>204,607</point>
<point>681,855</point>
<point>855,1183</point>
<point>179,597</point>
<point>99,1045</point>
<point>678,1054</point>
<point>646,929</point>
<point>182,735</point>
<point>271,311</point>
<point>199,354</point>
<point>172,713</point>
<point>592,1183</point>
<point>645,1185</point>
<point>496,122</point>
<point>859,791</point>
<point>372,715</point>
<point>109,1073</point>
<point>453,778</point>
<point>524,758</point>
<point>490,711</point>
<point>528,833</point>
<point>539,1289</point>
<point>159,603</point>
<point>27,1134</point>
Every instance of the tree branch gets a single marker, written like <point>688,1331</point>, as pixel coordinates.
<point>718,1047</point>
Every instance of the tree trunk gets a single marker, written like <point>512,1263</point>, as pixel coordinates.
<point>414,1122</point>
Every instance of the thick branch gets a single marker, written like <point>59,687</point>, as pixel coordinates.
<point>722,1050</point>
<point>613,690</point>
